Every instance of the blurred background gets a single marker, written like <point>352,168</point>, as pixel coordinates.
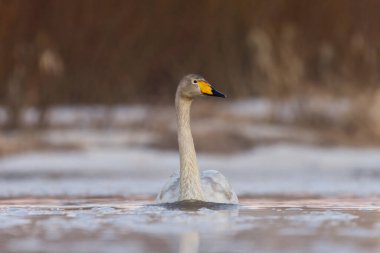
<point>80,77</point>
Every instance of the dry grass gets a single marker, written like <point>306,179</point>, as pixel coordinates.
<point>55,52</point>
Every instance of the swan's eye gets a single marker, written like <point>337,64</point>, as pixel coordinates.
<point>195,81</point>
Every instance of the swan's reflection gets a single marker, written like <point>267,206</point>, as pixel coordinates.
<point>205,216</point>
<point>190,219</point>
<point>189,242</point>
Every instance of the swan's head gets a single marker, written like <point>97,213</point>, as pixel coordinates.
<point>192,86</point>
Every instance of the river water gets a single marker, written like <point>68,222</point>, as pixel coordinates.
<point>293,198</point>
<point>116,224</point>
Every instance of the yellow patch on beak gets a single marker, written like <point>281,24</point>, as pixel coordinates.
<point>205,87</point>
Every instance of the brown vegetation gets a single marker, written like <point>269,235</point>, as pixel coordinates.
<point>135,51</point>
<point>110,52</point>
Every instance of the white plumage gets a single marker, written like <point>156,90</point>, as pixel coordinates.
<point>214,185</point>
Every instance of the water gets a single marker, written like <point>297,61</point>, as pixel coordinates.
<point>116,224</point>
<point>294,198</point>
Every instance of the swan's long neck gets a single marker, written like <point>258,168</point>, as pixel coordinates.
<point>190,183</point>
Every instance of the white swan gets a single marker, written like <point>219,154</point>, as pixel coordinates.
<point>188,184</point>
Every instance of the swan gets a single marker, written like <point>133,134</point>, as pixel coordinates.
<point>189,184</point>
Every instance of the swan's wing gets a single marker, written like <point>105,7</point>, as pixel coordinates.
<point>216,188</point>
<point>170,191</point>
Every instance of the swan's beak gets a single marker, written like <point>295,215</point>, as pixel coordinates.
<point>207,89</point>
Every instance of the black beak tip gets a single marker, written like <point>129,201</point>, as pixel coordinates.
<point>216,93</point>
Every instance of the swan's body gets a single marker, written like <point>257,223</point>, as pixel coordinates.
<point>215,188</point>
<point>189,184</point>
